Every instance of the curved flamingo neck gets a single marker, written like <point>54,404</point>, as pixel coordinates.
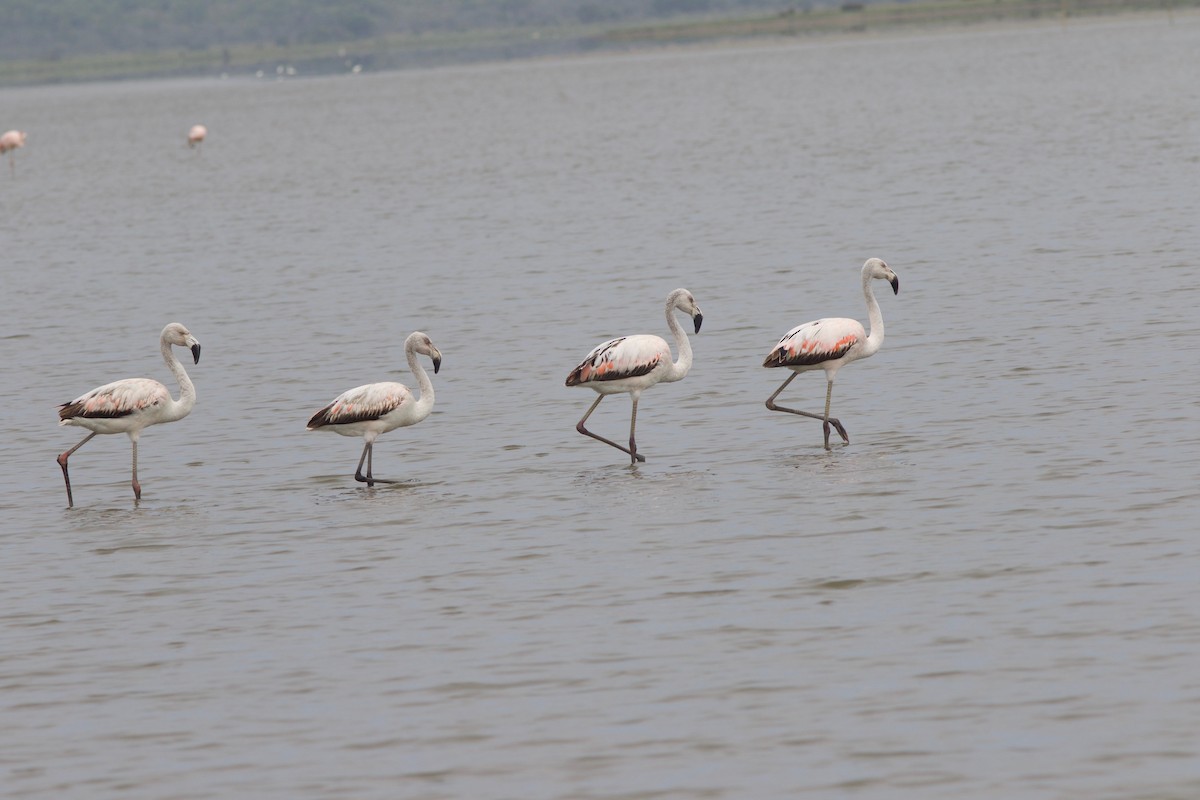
<point>187,391</point>
<point>683,364</point>
<point>875,337</point>
<point>425,401</point>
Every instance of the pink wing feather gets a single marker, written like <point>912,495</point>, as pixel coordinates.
<point>116,399</point>
<point>361,404</point>
<point>626,357</point>
<point>816,342</point>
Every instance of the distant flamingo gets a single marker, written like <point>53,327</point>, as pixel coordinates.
<point>635,363</point>
<point>376,408</point>
<point>132,404</point>
<point>830,344</point>
<point>9,142</point>
<point>196,135</point>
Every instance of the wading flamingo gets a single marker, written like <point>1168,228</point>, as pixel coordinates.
<point>635,363</point>
<point>196,135</point>
<point>9,142</point>
<point>830,344</point>
<point>376,408</point>
<point>132,404</point>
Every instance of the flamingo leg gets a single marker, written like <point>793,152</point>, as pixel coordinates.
<point>370,471</point>
<point>825,422</point>
<point>137,487</point>
<point>62,462</point>
<point>579,427</point>
<point>632,427</point>
<point>826,419</point>
<point>369,479</point>
<point>358,475</point>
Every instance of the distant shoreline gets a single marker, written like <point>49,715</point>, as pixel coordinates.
<point>406,52</point>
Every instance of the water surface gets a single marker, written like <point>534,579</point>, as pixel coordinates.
<point>990,593</point>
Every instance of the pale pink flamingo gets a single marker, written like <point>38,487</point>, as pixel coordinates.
<point>196,135</point>
<point>9,142</point>
<point>132,404</point>
<point>635,363</point>
<point>830,344</point>
<point>376,408</point>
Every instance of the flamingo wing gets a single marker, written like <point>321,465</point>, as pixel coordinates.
<point>362,404</point>
<point>816,342</point>
<point>626,357</point>
<point>116,399</point>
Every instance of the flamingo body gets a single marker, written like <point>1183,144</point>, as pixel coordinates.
<point>373,407</point>
<point>623,364</point>
<point>131,405</point>
<point>118,407</point>
<point>829,344</point>
<point>376,408</point>
<point>9,142</point>
<point>632,364</point>
<point>196,135</point>
<point>821,344</point>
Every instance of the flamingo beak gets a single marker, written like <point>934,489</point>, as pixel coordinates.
<point>437,362</point>
<point>698,319</point>
<point>196,353</point>
<point>895,282</point>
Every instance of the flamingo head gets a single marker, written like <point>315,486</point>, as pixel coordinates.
<point>682,299</point>
<point>421,343</point>
<point>876,268</point>
<point>180,336</point>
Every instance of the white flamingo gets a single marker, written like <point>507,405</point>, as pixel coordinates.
<point>9,142</point>
<point>830,344</point>
<point>130,405</point>
<point>196,135</point>
<point>376,408</point>
<point>635,363</point>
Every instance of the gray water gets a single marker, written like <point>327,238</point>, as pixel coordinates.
<point>990,593</point>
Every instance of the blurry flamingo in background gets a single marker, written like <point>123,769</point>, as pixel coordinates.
<point>196,136</point>
<point>376,408</point>
<point>9,142</point>
<point>635,363</point>
<point>830,344</point>
<point>129,405</point>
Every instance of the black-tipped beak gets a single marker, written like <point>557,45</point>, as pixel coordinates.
<point>196,353</point>
<point>698,319</point>
<point>437,364</point>
<point>895,282</point>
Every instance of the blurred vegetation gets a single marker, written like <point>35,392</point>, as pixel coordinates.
<point>56,29</point>
<point>68,40</point>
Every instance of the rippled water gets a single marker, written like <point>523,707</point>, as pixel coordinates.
<point>991,592</point>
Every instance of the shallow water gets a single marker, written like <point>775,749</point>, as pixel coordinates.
<point>988,593</point>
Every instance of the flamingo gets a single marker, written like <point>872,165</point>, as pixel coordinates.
<point>9,142</point>
<point>830,344</point>
<point>132,404</point>
<point>635,363</point>
<point>196,135</point>
<point>377,408</point>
